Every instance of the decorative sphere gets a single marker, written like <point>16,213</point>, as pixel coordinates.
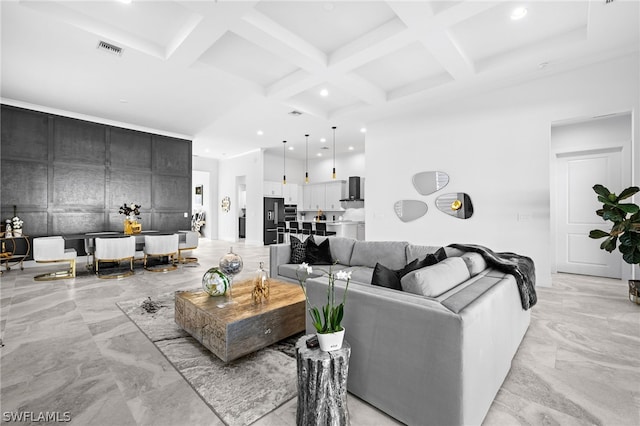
<point>215,282</point>
<point>231,263</point>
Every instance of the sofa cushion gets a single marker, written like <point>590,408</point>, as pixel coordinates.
<point>361,274</point>
<point>318,254</point>
<point>389,253</point>
<point>475,263</point>
<point>434,280</point>
<point>298,250</point>
<point>416,251</point>
<point>341,249</point>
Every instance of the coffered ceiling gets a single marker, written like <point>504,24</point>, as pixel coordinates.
<point>220,71</point>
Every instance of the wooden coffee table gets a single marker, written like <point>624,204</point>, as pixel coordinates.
<point>232,330</point>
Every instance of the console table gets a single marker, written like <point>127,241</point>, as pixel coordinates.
<point>12,254</point>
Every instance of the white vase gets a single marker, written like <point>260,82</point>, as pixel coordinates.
<point>330,341</point>
<point>17,232</point>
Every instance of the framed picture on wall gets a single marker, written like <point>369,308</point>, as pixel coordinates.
<point>198,199</point>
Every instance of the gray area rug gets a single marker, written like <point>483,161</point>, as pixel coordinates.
<point>239,392</point>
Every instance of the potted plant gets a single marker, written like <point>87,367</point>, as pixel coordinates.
<point>131,212</point>
<point>625,232</point>
<point>328,325</point>
<point>16,225</point>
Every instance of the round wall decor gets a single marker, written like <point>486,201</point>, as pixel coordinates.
<point>226,204</point>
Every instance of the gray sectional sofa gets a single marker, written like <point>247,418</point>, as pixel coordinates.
<point>425,360</point>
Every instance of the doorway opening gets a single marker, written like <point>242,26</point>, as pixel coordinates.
<point>585,153</point>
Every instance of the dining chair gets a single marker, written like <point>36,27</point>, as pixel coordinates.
<point>190,243</point>
<point>161,246</point>
<point>114,250</point>
<point>90,245</point>
<point>51,250</point>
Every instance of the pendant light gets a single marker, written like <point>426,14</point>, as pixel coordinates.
<point>306,164</point>
<point>334,152</point>
<point>284,164</point>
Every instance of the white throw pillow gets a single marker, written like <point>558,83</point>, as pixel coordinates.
<point>475,262</point>
<point>436,279</point>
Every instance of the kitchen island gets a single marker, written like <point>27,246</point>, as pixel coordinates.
<point>347,228</point>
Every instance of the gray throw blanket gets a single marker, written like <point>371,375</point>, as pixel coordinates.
<point>521,267</point>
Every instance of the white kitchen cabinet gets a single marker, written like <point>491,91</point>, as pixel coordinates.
<point>306,198</point>
<point>334,192</point>
<point>272,189</point>
<point>318,197</point>
<point>290,193</point>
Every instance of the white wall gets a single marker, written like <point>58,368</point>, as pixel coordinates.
<point>209,168</point>
<point>245,170</point>
<point>495,147</point>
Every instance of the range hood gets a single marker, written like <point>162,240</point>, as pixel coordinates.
<point>354,189</point>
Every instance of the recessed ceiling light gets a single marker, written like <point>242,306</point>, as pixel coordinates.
<point>363,130</point>
<point>323,140</point>
<point>290,148</point>
<point>319,154</point>
<point>206,150</point>
<point>324,93</point>
<point>518,13</point>
<point>351,148</point>
<point>260,132</point>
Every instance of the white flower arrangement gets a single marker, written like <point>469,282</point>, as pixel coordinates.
<point>332,314</point>
<point>16,223</point>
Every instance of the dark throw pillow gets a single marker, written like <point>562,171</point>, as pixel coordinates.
<point>385,277</point>
<point>430,259</point>
<point>298,250</point>
<point>318,254</point>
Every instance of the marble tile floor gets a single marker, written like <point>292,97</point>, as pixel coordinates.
<point>69,349</point>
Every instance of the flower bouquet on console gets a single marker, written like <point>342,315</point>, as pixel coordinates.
<point>328,324</point>
<point>132,213</point>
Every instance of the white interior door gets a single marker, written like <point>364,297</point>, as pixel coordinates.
<point>577,204</point>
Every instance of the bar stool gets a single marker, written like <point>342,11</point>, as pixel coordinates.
<point>307,228</point>
<point>280,229</point>
<point>321,229</point>
<point>114,250</point>
<point>51,250</point>
<point>161,246</point>
<point>293,228</point>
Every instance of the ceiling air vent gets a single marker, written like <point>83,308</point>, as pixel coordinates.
<point>107,47</point>
<point>295,113</point>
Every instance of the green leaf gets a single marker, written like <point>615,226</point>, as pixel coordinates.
<point>612,215</point>
<point>596,233</point>
<point>629,208</point>
<point>600,212</point>
<point>629,192</point>
<point>630,239</point>
<point>601,190</point>
<point>632,258</point>
<point>609,244</point>
<point>606,201</point>
<point>339,313</point>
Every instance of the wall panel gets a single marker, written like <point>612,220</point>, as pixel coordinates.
<point>68,176</point>
<point>78,141</point>
<point>25,134</point>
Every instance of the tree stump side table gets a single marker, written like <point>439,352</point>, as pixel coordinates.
<point>322,384</point>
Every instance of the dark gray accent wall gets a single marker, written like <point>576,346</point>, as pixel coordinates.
<point>69,176</point>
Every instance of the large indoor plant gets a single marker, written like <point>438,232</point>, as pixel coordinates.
<point>328,325</point>
<point>625,231</point>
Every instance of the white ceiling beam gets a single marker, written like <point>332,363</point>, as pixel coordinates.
<point>279,37</point>
<point>293,84</point>
<point>385,39</point>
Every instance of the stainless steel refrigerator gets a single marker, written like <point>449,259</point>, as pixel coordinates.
<point>273,213</point>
